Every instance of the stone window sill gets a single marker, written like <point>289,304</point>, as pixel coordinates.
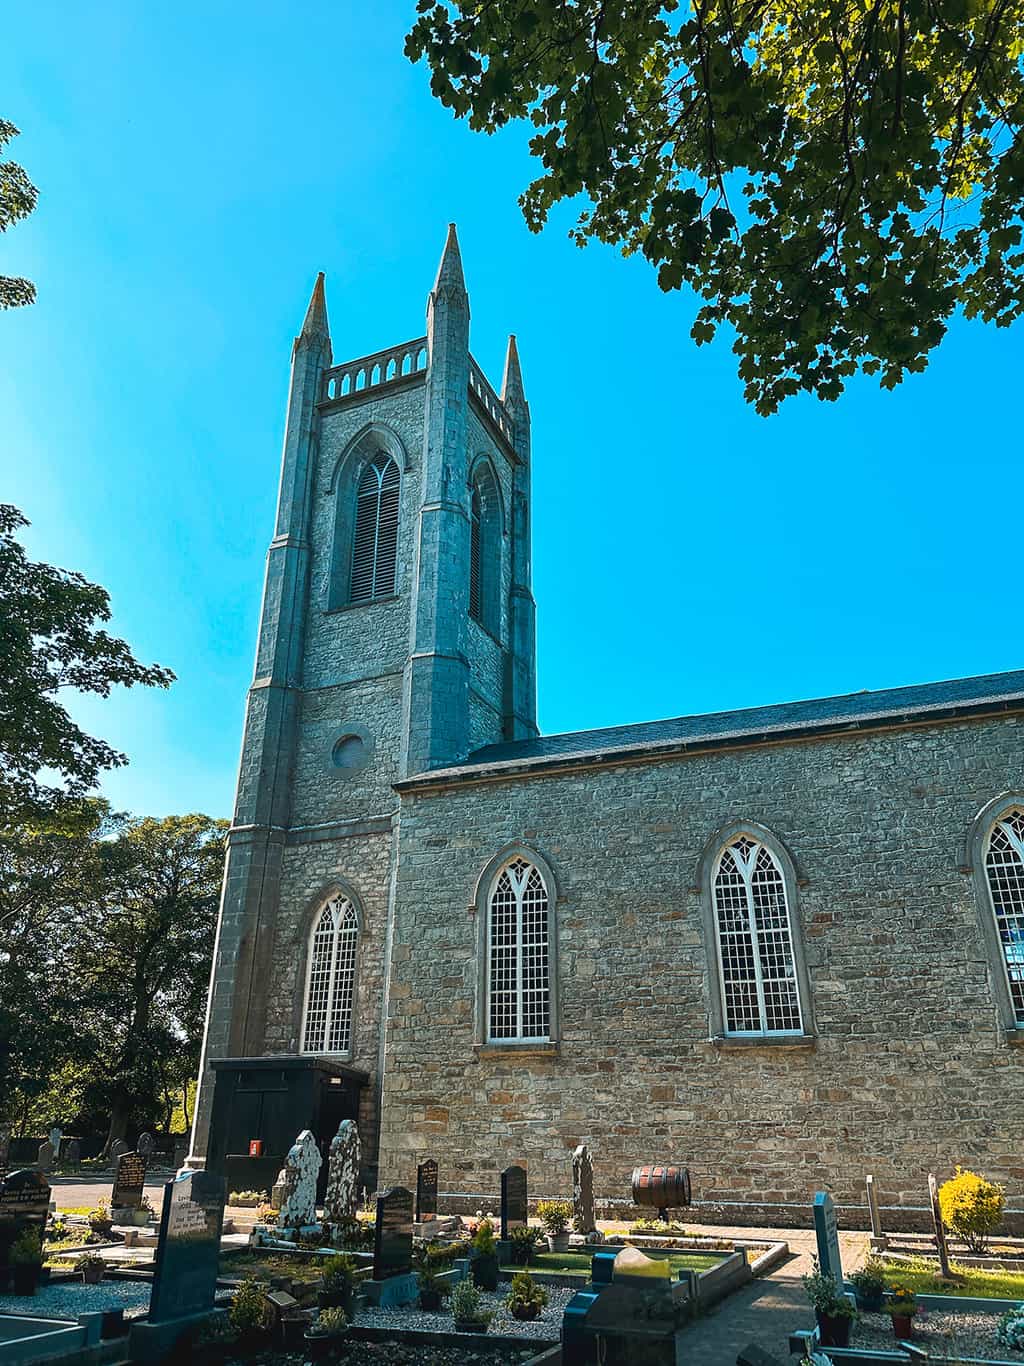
<point>516,1050</point>
<point>1015,1036</point>
<point>358,606</point>
<point>798,1042</point>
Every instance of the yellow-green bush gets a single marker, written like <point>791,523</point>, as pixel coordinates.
<point>971,1207</point>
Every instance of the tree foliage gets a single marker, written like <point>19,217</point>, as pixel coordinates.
<point>17,200</point>
<point>50,641</point>
<point>833,177</point>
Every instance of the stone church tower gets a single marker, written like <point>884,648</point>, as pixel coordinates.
<point>396,636</point>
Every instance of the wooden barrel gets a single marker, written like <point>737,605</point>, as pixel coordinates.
<point>663,1188</point>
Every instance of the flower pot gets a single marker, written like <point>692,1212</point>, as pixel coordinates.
<point>870,1301</point>
<point>318,1345</point>
<point>430,1300</point>
<point>484,1270</point>
<point>903,1326</point>
<point>470,1326</point>
<point>525,1313</point>
<point>25,1278</point>
<point>558,1242</point>
<point>92,1275</point>
<point>834,1331</point>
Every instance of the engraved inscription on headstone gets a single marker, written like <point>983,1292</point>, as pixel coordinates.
<point>513,1199</point>
<point>341,1200</point>
<point>426,1190</point>
<point>826,1228</point>
<point>24,1202</point>
<point>185,1273</point>
<point>129,1182</point>
<point>583,1190</point>
<point>392,1244</point>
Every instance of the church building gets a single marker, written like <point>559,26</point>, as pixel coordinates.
<point>782,946</point>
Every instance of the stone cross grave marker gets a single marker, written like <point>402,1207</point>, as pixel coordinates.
<point>46,1155</point>
<point>940,1228</point>
<point>826,1227</point>
<point>129,1180</point>
<point>879,1242</point>
<point>392,1243</point>
<point>426,1190</point>
<point>24,1203</point>
<point>185,1271</point>
<point>145,1146</point>
<point>301,1169</point>
<point>513,1199</point>
<point>583,1218</point>
<point>342,1198</point>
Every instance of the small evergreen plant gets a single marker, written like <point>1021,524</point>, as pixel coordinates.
<point>971,1207</point>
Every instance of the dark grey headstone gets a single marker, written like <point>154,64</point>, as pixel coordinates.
<point>185,1273</point>
<point>392,1243</point>
<point>145,1146</point>
<point>117,1148</point>
<point>5,1148</point>
<point>24,1202</point>
<point>513,1199</point>
<point>73,1152</point>
<point>426,1190</point>
<point>129,1181</point>
<point>46,1155</point>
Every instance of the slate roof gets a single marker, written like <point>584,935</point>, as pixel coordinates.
<point>926,702</point>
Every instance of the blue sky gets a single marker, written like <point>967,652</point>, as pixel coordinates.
<point>199,163</point>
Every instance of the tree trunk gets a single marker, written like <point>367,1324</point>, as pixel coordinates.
<point>120,1112</point>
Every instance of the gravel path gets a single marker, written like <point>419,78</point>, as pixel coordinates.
<point>69,1300</point>
<point>546,1328</point>
<point>944,1334</point>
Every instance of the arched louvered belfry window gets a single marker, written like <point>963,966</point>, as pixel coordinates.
<point>375,542</point>
<point>518,955</point>
<point>1004,874</point>
<point>756,960</point>
<point>485,541</point>
<point>331,979</point>
<point>475,597</point>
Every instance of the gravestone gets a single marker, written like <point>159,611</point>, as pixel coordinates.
<point>24,1203</point>
<point>301,1169</point>
<point>145,1146</point>
<point>513,1200</point>
<point>5,1148</point>
<point>129,1181</point>
<point>55,1138</point>
<point>46,1155</point>
<point>73,1152</point>
<point>185,1271</point>
<point>583,1217</point>
<point>940,1228</point>
<point>426,1191</point>
<point>342,1198</point>
<point>826,1228</point>
<point>118,1148</point>
<point>392,1242</point>
<point>879,1242</point>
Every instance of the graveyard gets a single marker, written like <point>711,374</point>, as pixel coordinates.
<point>161,1268</point>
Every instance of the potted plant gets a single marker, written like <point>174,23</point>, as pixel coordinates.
<point>468,1310</point>
<point>92,1267</point>
<point>524,1243</point>
<point>324,1335</point>
<point>338,1287</point>
<point>555,1216</point>
<point>484,1257</point>
<point>527,1299</point>
<point>432,1288</point>
<point>247,1314</point>
<point>142,1215</point>
<point>869,1285</point>
<point>902,1305</point>
<point>100,1221</point>
<point>832,1309</point>
<point>26,1260</point>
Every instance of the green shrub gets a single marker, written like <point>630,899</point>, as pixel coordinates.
<point>527,1299</point>
<point>100,1221</point>
<point>483,1240</point>
<point>524,1242</point>
<point>248,1312</point>
<point>971,1207</point>
<point>26,1250</point>
<point>554,1215</point>
<point>1010,1332</point>
<point>825,1295</point>
<point>468,1306</point>
<point>340,1280</point>
<point>331,1322</point>
<point>870,1278</point>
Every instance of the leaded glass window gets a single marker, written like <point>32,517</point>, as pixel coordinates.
<point>331,979</point>
<point>375,543</point>
<point>1004,871</point>
<point>518,947</point>
<point>757,968</point>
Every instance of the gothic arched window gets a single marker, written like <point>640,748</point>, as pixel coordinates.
<point>485,532</point>
<point>518,955</point>
<point>331,979</point>
<point>756,960</point>
<point>375,541</point>
<point>1004,874</point>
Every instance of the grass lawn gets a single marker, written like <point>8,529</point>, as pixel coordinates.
<point>921,1275</point>
<point>243,1264</point>
<point>578,1263</point>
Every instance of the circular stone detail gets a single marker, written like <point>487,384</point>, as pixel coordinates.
<point>349,752</point>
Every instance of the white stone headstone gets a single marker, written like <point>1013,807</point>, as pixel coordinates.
<point>301,1169</point>
<point>342,1199</point>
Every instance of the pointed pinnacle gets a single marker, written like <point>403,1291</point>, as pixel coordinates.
<point>449,272</point>
<point>512,391</point>
<point>315,327</point>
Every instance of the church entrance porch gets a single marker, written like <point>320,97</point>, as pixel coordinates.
<point>261,1104</point>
